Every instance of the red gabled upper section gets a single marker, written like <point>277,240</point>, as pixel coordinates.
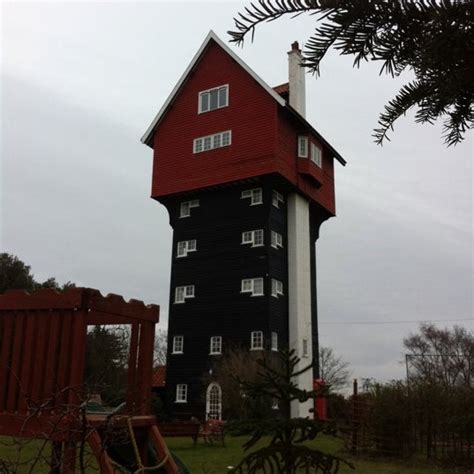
<point>264,131</point>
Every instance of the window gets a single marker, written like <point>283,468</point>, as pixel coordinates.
<point>181,393</point>
<point>185,207</point>
<point>253,286</point>
<point>216,345</point>
<point>277,240</point>
<point>256,340</point>
<point>274,341</point>
<point>226,136</point>
<point>184,247</point>
<point>183,292</point>
<point>218,140</point>
<point>277,288</point>
<point>316,154</point>
<point>178,344</point>
<point>275,403</point>
<point>302,147</point>
<point>214,402</point>
<point>254,237</point>
<point>277,198</point>
<point>212,99</point>
<point>305,348</point>
<point>255,196</point>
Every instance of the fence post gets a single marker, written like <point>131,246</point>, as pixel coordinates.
<point>354,416</point>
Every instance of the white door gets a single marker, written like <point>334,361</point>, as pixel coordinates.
<point>214,402</point>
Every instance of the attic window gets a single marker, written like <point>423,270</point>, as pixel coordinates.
<point>302,147</point>
<point>316,154</point>
<point>212,99</point>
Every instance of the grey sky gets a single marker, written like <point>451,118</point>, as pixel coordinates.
<point>81,82</point>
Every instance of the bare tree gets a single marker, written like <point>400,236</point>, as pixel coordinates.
<point>237,365</point>
<point>443,356</point>
<point>333,369</point>
<point>161,345</point>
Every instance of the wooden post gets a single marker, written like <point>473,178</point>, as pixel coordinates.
<point>354,422</point>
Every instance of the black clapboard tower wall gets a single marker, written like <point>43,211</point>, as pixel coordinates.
<point>247,182</point>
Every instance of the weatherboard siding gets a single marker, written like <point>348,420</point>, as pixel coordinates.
<point>251,115</point>
<point>217,269</point>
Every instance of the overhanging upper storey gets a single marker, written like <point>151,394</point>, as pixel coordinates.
<point>222,124</point>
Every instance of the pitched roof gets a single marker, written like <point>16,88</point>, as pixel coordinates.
<point>274,92</point>
<point>210,37</point>
<point>282,88</point>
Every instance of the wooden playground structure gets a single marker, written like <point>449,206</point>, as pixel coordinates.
<point>42,365</point>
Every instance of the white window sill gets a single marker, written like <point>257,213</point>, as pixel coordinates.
<point>252,294</point>
<point>181,256</point>
<point>182,217</point>
<point>274,349</point>
<point>258,245</point>
<point>179,302</point>
<point>175,353</point>
<point>256,203</point>
<point>256,348</point>
<point>181,401</point>
<point>215,353</point>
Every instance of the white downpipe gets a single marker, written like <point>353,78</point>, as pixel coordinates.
<point>299,293</point>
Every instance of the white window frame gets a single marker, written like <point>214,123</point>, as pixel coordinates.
<point>184,247</point>
<point>253,237</point>
<point>186,206</point>
<point>274,341</point>
<point>212,142</point>
<point>316,154</point>
<point>275,404</point>
<point>305,348</point>
<point>277,288</point>
<point>248,286</point>
<point>256,340</point>
<point>215,341</point>
<point>277,198</point>
<point>208,91</point>
<point>276,240</point>
<point>182,293</point>
<point>181,393</point>
<point>302,146</point>
<point>255,195</point>
<point>178,345</point>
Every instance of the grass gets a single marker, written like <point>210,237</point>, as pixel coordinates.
<point>205,459</point>
<point>215,459</point>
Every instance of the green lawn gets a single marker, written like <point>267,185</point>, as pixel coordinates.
<point>205,459</point>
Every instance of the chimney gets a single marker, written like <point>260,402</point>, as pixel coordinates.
<point>296,79</point>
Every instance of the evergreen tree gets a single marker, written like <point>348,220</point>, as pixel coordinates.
<point>432,39</point>
<point>285,453</point>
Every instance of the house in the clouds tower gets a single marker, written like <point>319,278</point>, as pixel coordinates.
<point>247,182</point>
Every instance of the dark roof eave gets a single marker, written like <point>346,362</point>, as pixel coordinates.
<point>300,118</point>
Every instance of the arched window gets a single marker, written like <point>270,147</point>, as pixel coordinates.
<point>214,402</point>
